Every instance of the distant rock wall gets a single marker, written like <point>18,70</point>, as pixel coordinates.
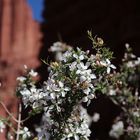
<point>19,44</point>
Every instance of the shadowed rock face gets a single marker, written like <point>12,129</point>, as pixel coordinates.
<point>117,22</point>
<point>19,44</point>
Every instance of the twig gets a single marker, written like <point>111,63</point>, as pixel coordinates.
<point>22,121</point>
<point>5,108</point>
<point>12,128</point>
<point>19,122</point>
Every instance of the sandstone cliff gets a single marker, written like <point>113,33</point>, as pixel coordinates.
<point>19,44</point>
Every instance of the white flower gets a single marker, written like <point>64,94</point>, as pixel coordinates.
<point>133,56</point>
<point>127,45</point>
<point>76,137</point>
<point>92,57</point>
<point>117,130</point>
<point>43,133</point>
<point>130,64</point>
<point>21,79</point>
<point>92,76</point>
<point>85,99</point>
<point>70,135</point>
<point>57,46</point>
<point>87,91</point>
<point>137,62</point>
<point>85,115</point>
<point>35,105</point>
<point>136,114</point>
<point>96,117</point>
<point>25,67</point>
<point>10,136</point>
<point>2,126</point>
<point>25,92</point>
<point>81,66</point>
<point>82,78</point>
<point>107,64</point>
<point>81,57</point>
<point>112,92</point>
<point>58,56</point>
<point>66,56</point>
<point>130,129</point>
<point>62,89</point>
<point>83,129</point>
<point>85,73</point>
<point>61,85</point>
<point>25,133</point>
<point>33,73</point>
<point>53,95</point>
<point>51,86</point>
<point>73,66</point>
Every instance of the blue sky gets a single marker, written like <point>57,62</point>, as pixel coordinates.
<point>37,7</point>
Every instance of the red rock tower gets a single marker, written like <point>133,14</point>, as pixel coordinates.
<point>19,44</point>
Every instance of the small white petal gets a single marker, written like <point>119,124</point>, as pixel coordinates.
<point>93,76</point>
<point>103,63</point>
<point>81,57</point>
<point>127,45</point>
<point>87,91</point>
<point>108,61</point>
<point>82,79</point>
<point>2,126</point>
<point>73,66</point>
<point>35,104</point>
<point>75,55</point>
<point>21,78</point>
<point>91,96</point>
<point>53,95</point>
<point>66,89</point>
<point>33,73</point>
<point>69,135</point>
<point>96,117</point>
<point>25,67</point>
<point>108,70</point>
<point>87,64</point>
<point>85,99</point>
<point>76,137</point>
<point>112,66</point>
<point>78,71</point>
<point>61,84</point>
<point>63,94</point>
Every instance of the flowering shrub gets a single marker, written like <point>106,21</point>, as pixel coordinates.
<point>77,77</point>
<point>74,79</point>
<point>125,93</point>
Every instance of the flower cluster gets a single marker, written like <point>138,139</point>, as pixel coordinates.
<point>117,129</point>
<point>124,92</point>
<point>58,48</point>
<point>25,134</point>
<point>74,79</point>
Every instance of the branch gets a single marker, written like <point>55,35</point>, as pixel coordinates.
<point>8,112</point>
<point>19,122</point>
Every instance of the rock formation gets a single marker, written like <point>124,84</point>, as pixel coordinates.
<point>19,44</point>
